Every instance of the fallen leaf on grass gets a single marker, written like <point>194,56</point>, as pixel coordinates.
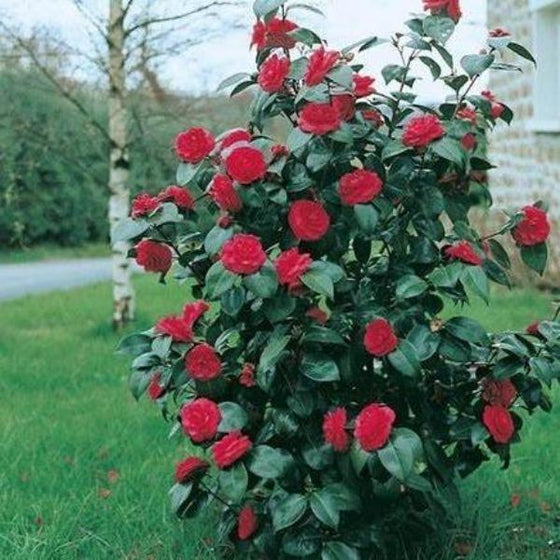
<point>113,476</point>
<point>104,493</point>
<point>515,500</point>
<point>463,548</point>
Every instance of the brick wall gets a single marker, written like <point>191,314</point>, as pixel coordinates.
<point>528,163</point>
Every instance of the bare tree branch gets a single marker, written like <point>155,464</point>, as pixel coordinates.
<point>159,20</point>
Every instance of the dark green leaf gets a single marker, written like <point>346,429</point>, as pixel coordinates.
<point>405,359</point>
<point>320,368</point>
<point>439,28</point>
<point>233,417</point>
<point>535,257</point>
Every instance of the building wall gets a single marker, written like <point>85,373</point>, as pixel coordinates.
<point>528,162</point>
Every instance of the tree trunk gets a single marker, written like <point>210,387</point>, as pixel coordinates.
<point>119,166</point>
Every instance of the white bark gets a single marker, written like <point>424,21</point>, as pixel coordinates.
<point>119,169</point>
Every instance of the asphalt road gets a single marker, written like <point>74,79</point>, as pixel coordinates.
<point>17,280</point>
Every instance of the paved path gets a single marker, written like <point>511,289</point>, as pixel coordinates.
<point>17,280</point>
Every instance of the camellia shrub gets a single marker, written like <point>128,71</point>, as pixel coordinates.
<point>323,391</point>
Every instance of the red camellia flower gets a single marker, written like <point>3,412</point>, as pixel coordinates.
<point>200,419</point>
<point>291,265</point>
<point>258,38</point>
<point>182,198</point>
<point>155,390</point>
<point>374,116</point>
<point>321,62</point>
<point>373,426</point>
<point>359,187</point>
<point>308,220</point>
<point>345,104</point>
<point>533,329</point>
<point>450,8</point>
<point>499,422</point>
<point>499,32</point>
<point>187,469</point>
<point>202,363</point>
<point>276,33</point>
<point>279,151</point>
<point>318,315</point>
<point>363,85</point>
<point>153,257</point>
<point>334,429</point>
<point>194,144</point>
<point>143,205</point>
<point>247,377</point>
<point>273,73</point>
<point>422,130</point>
<point>500,392</point>
<point>379,338</point>
<point>533,229</point>
<point>497,109</point>
<point>464,252</point>
<point>175,327</point>
<point>233,137</point>
<point>223,193</point>
<point>469,142</point>
<point>243,254</point>
<point>247,523</point>
<point>230,449</point>
<point>246,165</point>
<point>467,114</point>
<point>319,118</point>
<point>180,329</point>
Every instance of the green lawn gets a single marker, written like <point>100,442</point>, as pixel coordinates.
<point>85,469</point>
<point>52,252</point>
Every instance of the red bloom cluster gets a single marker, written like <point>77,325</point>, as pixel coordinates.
<point>319,118</point>
<point>194,144</point>
<point>497,109</point>
<point>182,198</point>
<point>230,449</point>
<point>450,8</point>
<point>247,377</point>
<point>245,165</point>
<point>373,426</point>
<point>273,73</point>
<point>499,422</point>
<point>317,315</point>
<point>290,266</point>
<point>422,130</point>
<point>345,104</point>
<point>247,523</point>
<point>308,220</point>
<point>187,469</point>
<point>153,256</point>
<point>334,429</point>
<point>200,419</point>
<point>274,34</point>
<point>223,193</point>
<point>234,136</point>
<point>533,229</point>
<point>202,363</point>
<point>499,392</point>
<point>321,62</point>
<point>464,252</point>
<point>143,205</point>
<point>243,254</point>
<point>499,32</point>
<point>180,328</point>
<point>155,390</point>
<point>359,187</point>
<point>380,338</point>
<point>363,85</point>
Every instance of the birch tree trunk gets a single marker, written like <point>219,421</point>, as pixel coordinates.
<point>119,167</point>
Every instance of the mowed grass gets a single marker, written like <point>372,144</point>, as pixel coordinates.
<point>53,253</point>
<point>84,470</point>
